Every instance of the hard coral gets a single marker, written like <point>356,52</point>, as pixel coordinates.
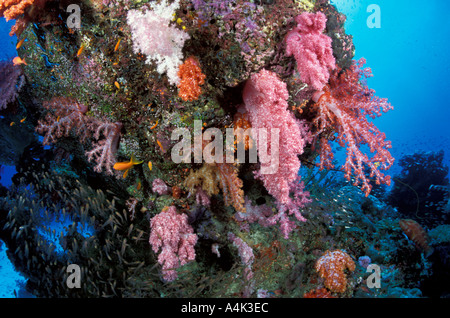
<point>191,78</point>
<point>331,267</point>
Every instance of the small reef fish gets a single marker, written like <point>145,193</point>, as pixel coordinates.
<point>150,165</point>
<point>117,45</point>
<point>126,166</point>
<point>12,124</point>
<point>160,145</point>
<point>117,85</point>
<point>23,119</point>
<point>139,185</point>
<point>20,44</point>
<point>17,61</point>
<point>154,126</point>
<point>80,50</point>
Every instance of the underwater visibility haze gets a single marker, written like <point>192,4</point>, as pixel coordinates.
<point>224,148</point>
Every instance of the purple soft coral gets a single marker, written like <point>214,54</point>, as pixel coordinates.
<point>11,81</point>
<point>103,152</point>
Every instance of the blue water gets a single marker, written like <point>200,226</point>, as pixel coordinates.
<point>408,55</point>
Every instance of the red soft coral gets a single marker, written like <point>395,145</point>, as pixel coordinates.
<point>343,106</point>
<point>265,98</point>
<point>67,116</point>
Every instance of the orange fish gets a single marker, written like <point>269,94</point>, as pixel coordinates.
<point>160,145</point>
<point>121,166</point>
<point>17,61</point>
<point>117,46</point>
<point>150,165</point>
<point>20,44</point>
<point>139,185</point>
<point>117,85</point>
<point>154,126</point>
<point>12,124</point>
<point>80,50</point>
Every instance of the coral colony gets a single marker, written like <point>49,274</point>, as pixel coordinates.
<point>193,138</point>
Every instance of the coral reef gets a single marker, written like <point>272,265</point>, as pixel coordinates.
<point>262,88</point>
<point>414,191</point>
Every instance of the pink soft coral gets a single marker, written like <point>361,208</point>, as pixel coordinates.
<point>171,233</point>
<point>265,97</point>
<point>312,49</point>
<point>343,106</point>
<point>66,115</point>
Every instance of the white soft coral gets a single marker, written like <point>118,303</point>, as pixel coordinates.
<point>153,36</point>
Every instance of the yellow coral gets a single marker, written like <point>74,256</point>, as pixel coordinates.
<point>211,177</point>
<point>306,5</point>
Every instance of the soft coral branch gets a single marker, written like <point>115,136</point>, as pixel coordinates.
<point>104,150</point>
<point>66,115</point>
<point>343,105</point>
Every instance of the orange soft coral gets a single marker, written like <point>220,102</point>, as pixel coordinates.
<point>220,175</point>
<point>318,293</point>
<point>191,77</point>
<point>241,121</point>
<point>331,267</point>
<point>12,9</point>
